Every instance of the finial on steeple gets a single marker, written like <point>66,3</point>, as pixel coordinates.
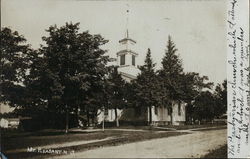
<point>127,34</point>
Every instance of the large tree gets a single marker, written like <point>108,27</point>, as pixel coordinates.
<point>115,92</point>
<point>204,106</point>
<point>207,105</point>
<point>221,98</point>
<point>14,66</point>
<point>146,88</point>
<point>170,77</point>
<point>178,86</point>
<point>192,86</point>
<point>72,69</point>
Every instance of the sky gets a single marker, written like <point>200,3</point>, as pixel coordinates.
<point>197,27</point>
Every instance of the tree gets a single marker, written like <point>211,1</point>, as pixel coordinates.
<point>13,67</point>
<point>170,77</point>
<point>204,106</point>
<point>221,98</point>
<point>208,105</point>
<point>72,69</point>
<point>130,94</point>
<point>145,85</point>
<point>115,92</point>
<point>191,86</point>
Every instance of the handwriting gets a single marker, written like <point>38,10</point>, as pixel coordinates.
<point>238,83</point>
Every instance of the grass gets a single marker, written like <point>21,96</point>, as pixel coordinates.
<point>214,128</point>
<point>186,127</point>
<point>23,139</point>
<point>177,127</point>
<point>217,153</point>
<point>14,140</point>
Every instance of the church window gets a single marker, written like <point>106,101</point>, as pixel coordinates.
<point>169,111</point>
<point>133,60</point>
<point>106,112</point>
<point>122,60</point>
<point>156,110</point>
<point>179,108</point>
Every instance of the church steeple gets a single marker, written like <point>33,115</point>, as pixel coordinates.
<point>127,28</point>
<point>126,56</point>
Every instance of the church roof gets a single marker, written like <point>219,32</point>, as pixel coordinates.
<point>125,51</point>
<point>127,39</point>
<point>130,71</point>
<point>132,77</point>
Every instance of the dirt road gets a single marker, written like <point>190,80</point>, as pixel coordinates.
<point>195,144</point>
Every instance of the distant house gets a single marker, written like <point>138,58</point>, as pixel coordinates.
<point>4,123</point>
<point>9,123</point>
<point>126,61</point>
<point>12,123</point>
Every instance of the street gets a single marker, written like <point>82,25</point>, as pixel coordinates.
<point>196,144</point>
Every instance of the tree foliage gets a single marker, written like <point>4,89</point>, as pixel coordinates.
<point>69,74</point>
<point>204,106</point>
<point>170,74</point>
<point>208,105</point>
<point>14,65</point>
<point>146,88</point>
<point>221,98</point>
<point>115,92</point>
<point>115,89</point>
<point>69,70</point>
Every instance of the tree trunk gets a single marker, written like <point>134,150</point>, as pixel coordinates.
<point>88,118</point>
<point>92,120</point>
<point>171,113</point>
<point>67,121</point>
<point>150,115</point>
<point>103,120</point>
<point>77,116</point>
<point>116,118</point>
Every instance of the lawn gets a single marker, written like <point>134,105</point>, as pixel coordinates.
<point>186,127</point>
<point>22,140</point>
<point>176,127</point>
<point>217,153</point>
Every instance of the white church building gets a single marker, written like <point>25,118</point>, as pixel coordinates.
<point>161,115</point>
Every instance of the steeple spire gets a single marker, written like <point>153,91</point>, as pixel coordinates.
<point>127,20</point>
<point>127,38</point>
